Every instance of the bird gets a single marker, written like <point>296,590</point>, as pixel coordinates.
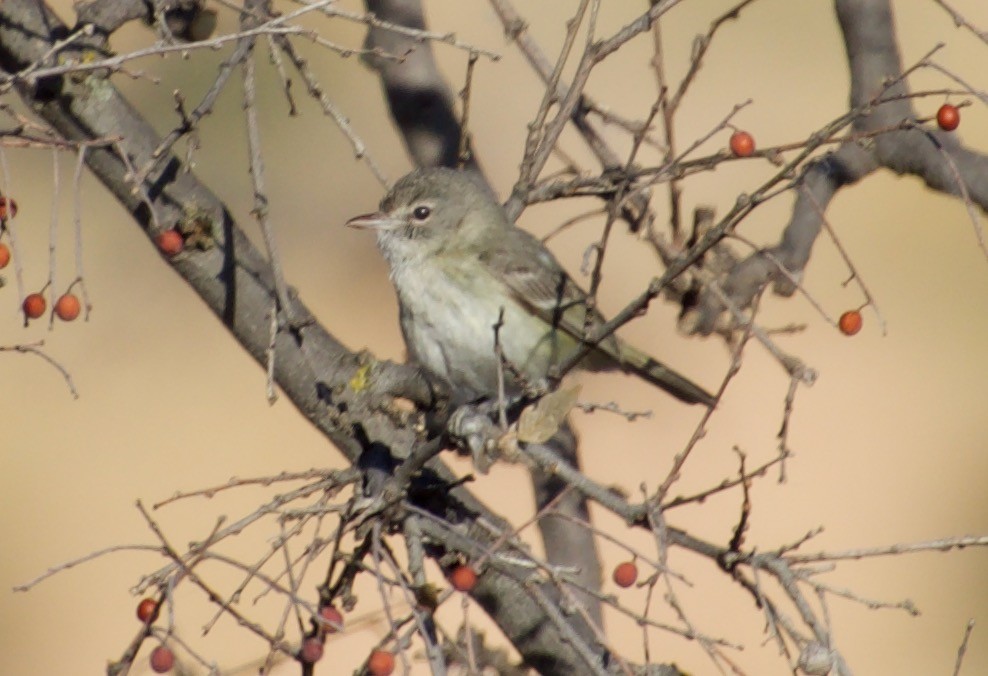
<point>469,281</point>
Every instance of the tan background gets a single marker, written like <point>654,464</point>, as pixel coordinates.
<point>890,444</point>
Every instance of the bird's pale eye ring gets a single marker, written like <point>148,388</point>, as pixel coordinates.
<point>421,212</point>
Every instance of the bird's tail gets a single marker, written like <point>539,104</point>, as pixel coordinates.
<point>635,361</point>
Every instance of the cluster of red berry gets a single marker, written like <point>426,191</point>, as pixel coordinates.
<point>379,663</point>
<point>67,307</point>
<point>463,578</point>
<point>162,658</point>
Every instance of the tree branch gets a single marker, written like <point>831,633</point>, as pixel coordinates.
<point>882,111</point>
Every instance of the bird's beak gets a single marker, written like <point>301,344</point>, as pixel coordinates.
<point>375,221</point>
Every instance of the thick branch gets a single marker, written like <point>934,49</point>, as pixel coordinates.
<point>418,97</point>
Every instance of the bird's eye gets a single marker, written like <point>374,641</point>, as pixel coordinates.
<point>421,213</point>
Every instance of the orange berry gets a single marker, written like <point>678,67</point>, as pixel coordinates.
<point>34,305</point>
<point>8,208</point>
<point>948,117</point>
<point>170,242</point>
<point>380,663</point>
<point>4,256</point>
<point>147,610</point>
<point>850,322</point>
<point>625,574</point>
<point>332,619</point>
<point>67,307</point>
<point>463,578</point>
<point>162,659</point>
<point>311,650</point>
<point>742,144</point>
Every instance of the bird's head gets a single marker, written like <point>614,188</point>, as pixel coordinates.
<point>433,210</point>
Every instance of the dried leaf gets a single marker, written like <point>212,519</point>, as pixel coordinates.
<point>541,420</point>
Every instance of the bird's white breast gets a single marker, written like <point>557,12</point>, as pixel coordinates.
<point>448,315</point>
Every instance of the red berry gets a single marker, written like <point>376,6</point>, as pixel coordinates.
<point>948,117</point>
<point>4,256</point>
<point>332,619</point>
<point>311,651</point>
<point>380,663</point>
<point>850,322</point>
<point>162,659</point>
<point>147,610</point>
<point>67,307</point>
<point>463,578</point>
<point>170,242</point>
<point>8,208</point>
<point>625,574</point>
<point>34,305</point>
<point>742,144</point>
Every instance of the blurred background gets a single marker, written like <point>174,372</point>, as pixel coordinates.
<point>891,444</point>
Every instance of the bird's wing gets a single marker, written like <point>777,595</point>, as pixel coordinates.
<point>536,280</point>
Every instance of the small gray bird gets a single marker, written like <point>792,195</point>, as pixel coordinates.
<point>457,263</point>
